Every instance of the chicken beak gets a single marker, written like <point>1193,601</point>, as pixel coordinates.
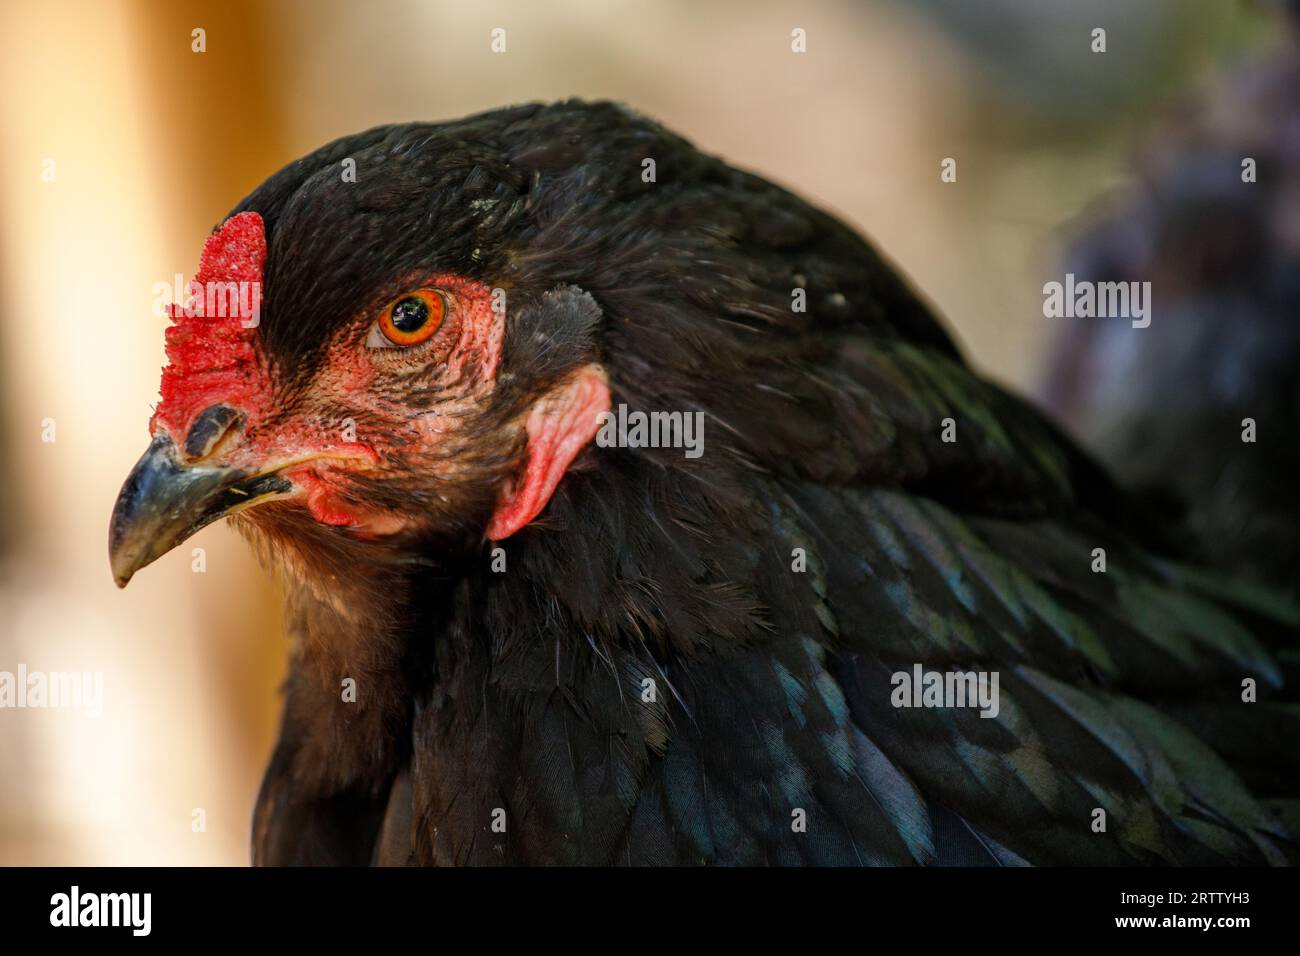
<point>164,501</point>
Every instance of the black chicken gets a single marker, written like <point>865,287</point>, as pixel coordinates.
<point>518,645</point>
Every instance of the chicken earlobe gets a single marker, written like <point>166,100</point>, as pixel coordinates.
<point>559,426</point>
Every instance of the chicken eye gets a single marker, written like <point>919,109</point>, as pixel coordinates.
<point>409,319</point>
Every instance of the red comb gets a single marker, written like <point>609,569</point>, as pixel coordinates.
<point>210,352</point>
<point>236,252</point>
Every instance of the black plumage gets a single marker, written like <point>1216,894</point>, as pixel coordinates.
<point>521,697</point>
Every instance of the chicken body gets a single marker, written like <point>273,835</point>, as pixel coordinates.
<point>697,660</point>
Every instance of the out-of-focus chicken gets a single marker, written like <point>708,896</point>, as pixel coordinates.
<point>1214,225</point>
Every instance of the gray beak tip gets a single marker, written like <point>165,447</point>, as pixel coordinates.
<point>164,501</point>
<point>161,504</point>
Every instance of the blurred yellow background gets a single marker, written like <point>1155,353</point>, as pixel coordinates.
<point>149,144</point>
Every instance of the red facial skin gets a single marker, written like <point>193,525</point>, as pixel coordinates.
<point>218,360</point>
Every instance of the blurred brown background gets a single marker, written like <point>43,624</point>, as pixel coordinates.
<point>152,144</point>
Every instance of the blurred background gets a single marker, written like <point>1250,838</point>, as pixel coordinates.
<point>121,147</point>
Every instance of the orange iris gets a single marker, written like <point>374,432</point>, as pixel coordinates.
<point>413,317</point>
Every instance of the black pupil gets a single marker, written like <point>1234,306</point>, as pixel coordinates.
<point>410,314</point>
